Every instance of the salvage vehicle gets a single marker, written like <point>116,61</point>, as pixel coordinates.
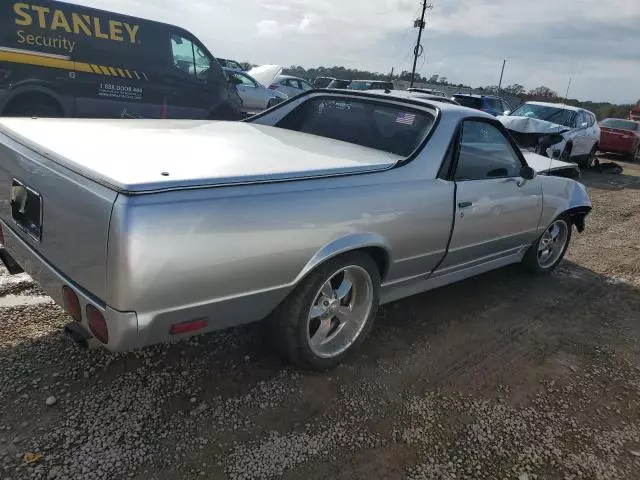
<point>568,133</point>
<point>429,91</point>
<point>63,60</point>
<point>339,84</point>
<point>620,136</point>
<point>271,77</point>
<point>255,96</point>
<point>370,85</point>
<point>310,214</point>
<point>322,82</point>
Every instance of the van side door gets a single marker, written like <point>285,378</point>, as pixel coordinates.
<point>196,78</point>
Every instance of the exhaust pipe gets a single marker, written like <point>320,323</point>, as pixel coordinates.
<point>78,335</point>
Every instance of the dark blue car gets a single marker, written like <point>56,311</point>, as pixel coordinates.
<point>487,103</point>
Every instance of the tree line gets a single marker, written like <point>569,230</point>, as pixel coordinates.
<point>541,93</point>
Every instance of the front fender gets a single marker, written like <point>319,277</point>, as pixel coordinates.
<point>564,195</point>
<point>347,243</point>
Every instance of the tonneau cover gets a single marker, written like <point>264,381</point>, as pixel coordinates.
<point>137,156</point>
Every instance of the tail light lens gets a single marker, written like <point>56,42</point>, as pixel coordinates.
<point>97,324</point>
<point>187,327</point>
<point>71,303</point>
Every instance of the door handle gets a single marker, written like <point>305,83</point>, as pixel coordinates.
<point>464,204</point>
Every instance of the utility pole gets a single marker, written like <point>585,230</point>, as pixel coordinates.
<point>504,62</point>
<point>418,50</point>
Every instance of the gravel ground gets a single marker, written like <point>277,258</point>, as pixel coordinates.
<point>505,376</point>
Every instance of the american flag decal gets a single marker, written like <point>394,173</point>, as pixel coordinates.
<point>406,118</point>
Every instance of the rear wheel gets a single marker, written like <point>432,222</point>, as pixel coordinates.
<point>634,156</point>
<point>330,313</point>
<point>548,251</point>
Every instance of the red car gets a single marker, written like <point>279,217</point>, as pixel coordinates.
<point>620,136</point>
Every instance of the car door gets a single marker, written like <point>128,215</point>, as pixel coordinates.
<point>578,135</point>
<point>497,211</point>
<point>253,96</point>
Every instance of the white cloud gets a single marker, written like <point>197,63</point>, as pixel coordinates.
<point>465,40</point>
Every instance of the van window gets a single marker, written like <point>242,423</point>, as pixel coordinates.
<point>190,58</point>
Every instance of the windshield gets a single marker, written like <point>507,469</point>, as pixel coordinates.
<point>359,85</point>
<point>622,124</point>
<point>547,113</point>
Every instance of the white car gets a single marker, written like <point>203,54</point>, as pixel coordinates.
<point>255,96</point>
<point>556,131</point>
<point>271,76</point>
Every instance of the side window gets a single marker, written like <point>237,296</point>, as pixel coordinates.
<point>182,50</point>
<point>386,127</point>
<point>591,119</point>
<point>494,104</point>
<point>485,153</point>
<point>505,106</point>
<point>243,80</point>
<point>292,82</point>
<point>306,86</point>
<point>190,58</point>
<point>578,120</point>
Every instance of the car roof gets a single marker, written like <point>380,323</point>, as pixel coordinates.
<point>475,95</point>
<point>377,81</point>
<point>400,95</point>
<point>415,95</point>
<point>559,105</point>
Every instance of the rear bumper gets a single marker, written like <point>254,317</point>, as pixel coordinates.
<point>620,146</point>
<point>123,326</point>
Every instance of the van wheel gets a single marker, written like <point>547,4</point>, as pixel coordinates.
<point>30,108</point>
<point>329,313</point>
<point>548,251</point>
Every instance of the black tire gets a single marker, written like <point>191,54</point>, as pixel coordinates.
<point>632,156</point>
<point>589,160</point>
<point>531,260</point>
<point>565,156</point>
<point>290,319</point>
<point>33,109</point>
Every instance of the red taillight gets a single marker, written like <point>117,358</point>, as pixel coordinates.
<point>71,303</point>
<point>97,324</point>
<point>189,326</point>
<point>273,86</point>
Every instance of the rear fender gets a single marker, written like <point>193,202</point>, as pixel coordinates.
<point>564,196</point>
<point>348,243</point>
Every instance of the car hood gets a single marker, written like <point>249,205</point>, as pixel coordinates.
<point>265,74</point>
<point>531,125</point>
<point>544,164</point>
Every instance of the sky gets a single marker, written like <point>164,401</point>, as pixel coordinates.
<point>596,43</point>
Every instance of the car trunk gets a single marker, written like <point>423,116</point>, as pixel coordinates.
<point>61,215</point>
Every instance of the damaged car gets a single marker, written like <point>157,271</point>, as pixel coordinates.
<point>556,131</point>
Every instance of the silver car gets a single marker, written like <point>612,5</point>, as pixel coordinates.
<point>255,97</point>
<point>311,215</point>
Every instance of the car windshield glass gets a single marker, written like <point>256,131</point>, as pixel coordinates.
<point>359,85</point>
<point>390,128</point>
<point>471,102</point>
<point>339,83</point>
<point>547,113</point>
<point>622,124</point>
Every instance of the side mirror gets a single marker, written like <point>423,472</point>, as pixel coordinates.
<point>527,172</point>
<point>507,112</point>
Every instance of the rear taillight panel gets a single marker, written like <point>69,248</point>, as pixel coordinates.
<point>71,303</point>
<point>97,324</point>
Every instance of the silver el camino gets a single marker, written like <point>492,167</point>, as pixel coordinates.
<point>310,215</point>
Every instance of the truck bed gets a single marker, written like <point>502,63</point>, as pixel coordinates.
<point>137,156</point>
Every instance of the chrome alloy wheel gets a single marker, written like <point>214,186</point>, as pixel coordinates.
<point>340,311</point>
<point>553,243</point>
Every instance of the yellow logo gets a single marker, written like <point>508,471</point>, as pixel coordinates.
<point>62,22</point>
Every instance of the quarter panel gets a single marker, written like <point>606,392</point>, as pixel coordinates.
<point>199,251</point>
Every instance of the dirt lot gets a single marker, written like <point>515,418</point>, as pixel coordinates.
<point>505,376</point>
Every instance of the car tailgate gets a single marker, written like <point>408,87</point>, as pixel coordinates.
<point>60,214</point>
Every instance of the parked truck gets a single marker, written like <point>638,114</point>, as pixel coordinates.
<point>310,215</point>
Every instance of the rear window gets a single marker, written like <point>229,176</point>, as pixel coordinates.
<point>385,127</point>
<point>622,124</point>
<point>471,102</point>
